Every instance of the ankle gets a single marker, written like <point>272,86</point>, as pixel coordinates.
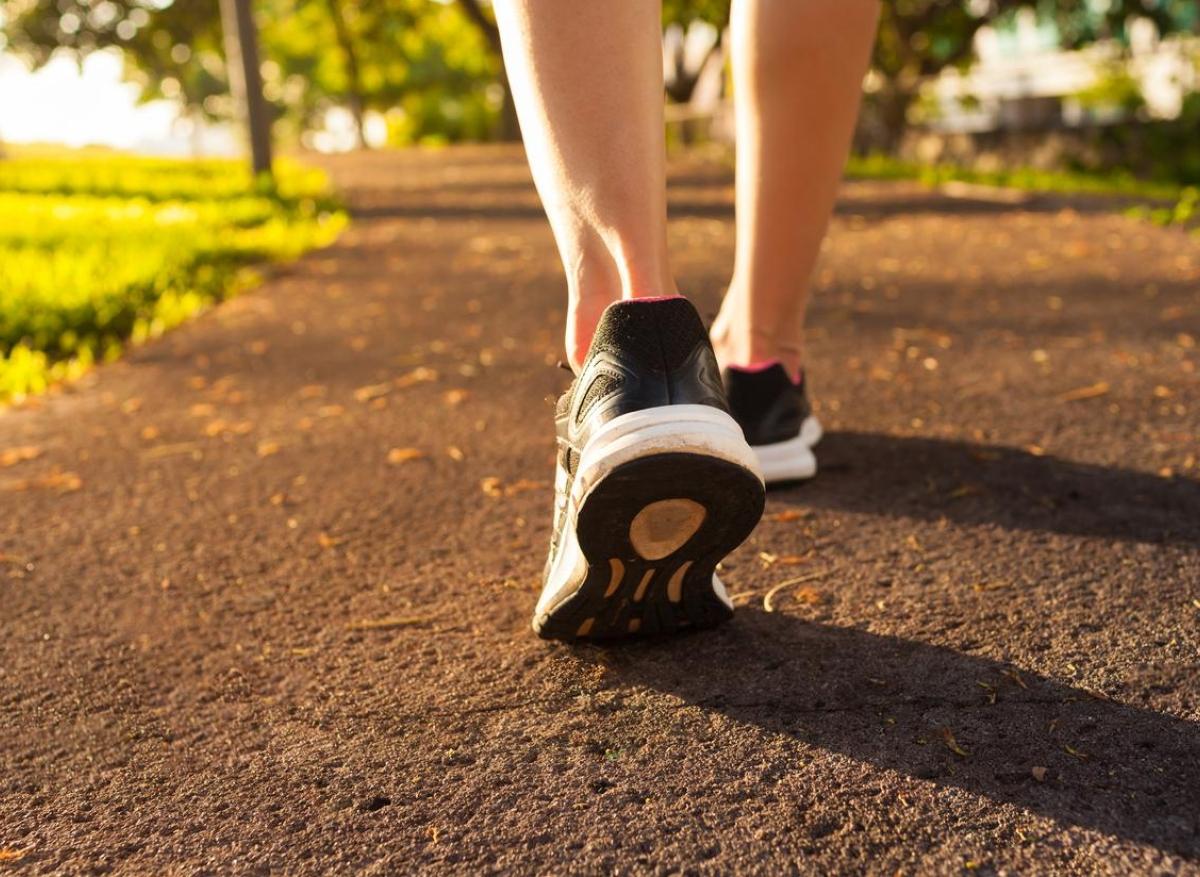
<point>736,343</point>
<point>593,286</point>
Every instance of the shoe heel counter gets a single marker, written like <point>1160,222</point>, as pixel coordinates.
<point>693,376</point>
<point>768,405</point>
<point>646,354</point>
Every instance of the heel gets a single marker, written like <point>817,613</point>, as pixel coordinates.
<point>649,536</point>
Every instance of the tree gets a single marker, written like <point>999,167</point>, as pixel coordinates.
<point>431,59</point>
<point>175,52</point>
<point>919,38</point>
<point>509,129</point>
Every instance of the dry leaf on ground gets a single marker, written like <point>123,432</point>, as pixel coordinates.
<point>418,375</point>
<point>1092,391</point>
<point>371,391</point>
<point>952,744</point>
<point>396,456</point>
<point>13,456</point>
<point>57,479</point>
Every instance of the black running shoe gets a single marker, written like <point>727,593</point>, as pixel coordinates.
<point>774,413</point>
<point>655,483</point>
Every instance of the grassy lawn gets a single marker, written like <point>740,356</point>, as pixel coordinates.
<point>99,250</point>
<point>1164,203</point>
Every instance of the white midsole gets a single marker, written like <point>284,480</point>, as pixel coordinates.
<point>687,429</point>
<point>791,459</point>
<point>695,429</point>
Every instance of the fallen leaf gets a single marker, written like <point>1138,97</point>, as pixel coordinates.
<point>418,375</point>
<point>57,479</point>
<point>13,456</point>
<point>1015,677</point>
<point>522,485</point>
<point>221,427</point>
<point>169,450</point>
<point>371,391</point>
<point>951,743</point>
<point>1092,391</point>
<point>1039,773</point>
<point>396,456</point>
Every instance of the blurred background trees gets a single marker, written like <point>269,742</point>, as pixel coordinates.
<point>412,71</point>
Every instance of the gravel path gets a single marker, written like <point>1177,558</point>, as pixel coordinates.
<point>266,583</point>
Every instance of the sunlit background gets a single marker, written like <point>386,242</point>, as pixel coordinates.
<point>1079,95</point>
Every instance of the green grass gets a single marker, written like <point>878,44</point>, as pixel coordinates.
<point>98,251</point>
<point>1164,203</point>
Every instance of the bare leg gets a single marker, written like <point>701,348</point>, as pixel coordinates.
<point>588,83</point>
<point>798,67</point>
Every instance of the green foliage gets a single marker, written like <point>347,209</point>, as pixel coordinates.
<point>424,58</point>
<point>883,167</point>
<point>172,49</point>
<point>99,251</point>
<point>418,55</point>
<point>1164,203</point>
<point>1115,89</point>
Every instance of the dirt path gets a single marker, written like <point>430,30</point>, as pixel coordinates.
<point>245,632</point>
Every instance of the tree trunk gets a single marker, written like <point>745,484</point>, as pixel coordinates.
<point>507,129</point>
<point>346,43</point>
<point>894,101</point>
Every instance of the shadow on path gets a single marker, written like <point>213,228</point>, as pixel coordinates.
<point>929,479</point>
<point>893,703</point>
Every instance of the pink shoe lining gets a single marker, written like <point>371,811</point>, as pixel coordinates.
<point>763,365</point>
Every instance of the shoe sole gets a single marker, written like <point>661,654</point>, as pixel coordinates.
<point>649,534</point>
<point>791,460</point>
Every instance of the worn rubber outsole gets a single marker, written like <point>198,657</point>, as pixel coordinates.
<point>650,535</point>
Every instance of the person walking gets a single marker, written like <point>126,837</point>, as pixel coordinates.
<point>670,433</point>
